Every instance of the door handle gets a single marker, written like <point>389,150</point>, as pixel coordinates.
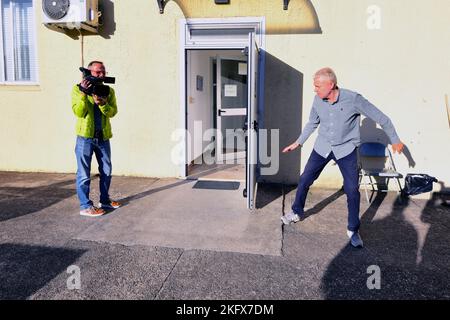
<point>220,111</point>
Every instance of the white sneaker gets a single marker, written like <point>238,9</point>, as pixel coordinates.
<point>290,217</point>
<point>111,205</point>
<point>355,239</point>
<point>92,212</point>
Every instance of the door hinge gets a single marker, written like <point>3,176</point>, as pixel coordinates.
<point>255,125</point>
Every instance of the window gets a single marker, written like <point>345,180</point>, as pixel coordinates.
<point>18,63</point>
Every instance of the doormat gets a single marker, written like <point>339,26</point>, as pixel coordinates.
<point>217,185</point>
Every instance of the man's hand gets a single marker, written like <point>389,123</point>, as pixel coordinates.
<point>85,84</point>
<point>101,101</point>
<point>398,147</point>
<point>291,147</point>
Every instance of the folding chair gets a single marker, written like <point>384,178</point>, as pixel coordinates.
<point>378,153</point>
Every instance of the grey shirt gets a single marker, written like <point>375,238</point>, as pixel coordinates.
<point>339,123</point>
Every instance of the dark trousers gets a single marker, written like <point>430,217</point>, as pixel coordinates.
<point>349,169</point>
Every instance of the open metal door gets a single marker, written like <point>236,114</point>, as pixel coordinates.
<point>252,121</point>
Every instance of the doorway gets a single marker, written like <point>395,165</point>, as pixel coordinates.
<point>222,72</point>
<point>216,114</point>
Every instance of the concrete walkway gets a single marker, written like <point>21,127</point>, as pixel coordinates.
<point>171,213</point>
<point>170,241</point>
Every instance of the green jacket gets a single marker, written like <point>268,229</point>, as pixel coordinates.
<point>83,108</point>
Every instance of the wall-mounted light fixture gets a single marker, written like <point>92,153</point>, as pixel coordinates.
<point>161,5</point>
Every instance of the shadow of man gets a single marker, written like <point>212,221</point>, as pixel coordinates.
<point>369,132</point>
<point>391,246</point>
<point>434,267</point>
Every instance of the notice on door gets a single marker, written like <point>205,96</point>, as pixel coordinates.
<point>242,69</point>
<point>230,90</point>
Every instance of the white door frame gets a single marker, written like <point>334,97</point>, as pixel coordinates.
<point>187,41</point>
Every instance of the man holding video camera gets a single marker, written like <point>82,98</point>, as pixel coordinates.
<point>94,103</point>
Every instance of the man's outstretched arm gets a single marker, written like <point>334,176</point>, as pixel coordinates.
<point>312,124</point>
<point>372,112</point>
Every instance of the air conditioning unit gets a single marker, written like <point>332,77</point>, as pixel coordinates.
<point>71,14</point>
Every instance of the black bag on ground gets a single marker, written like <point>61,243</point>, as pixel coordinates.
<point>416,183</point>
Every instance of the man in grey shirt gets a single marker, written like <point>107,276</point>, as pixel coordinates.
<point>338,112</point>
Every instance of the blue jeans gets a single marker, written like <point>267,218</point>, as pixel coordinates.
<point>349,169</point>
<point>84,149</point>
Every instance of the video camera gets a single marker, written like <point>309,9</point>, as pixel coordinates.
<point>97,88</point>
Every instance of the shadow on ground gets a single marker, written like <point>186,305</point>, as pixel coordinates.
<point>125,201</point>
<point>391,244</point>
<point>270,192</point>
<point>32,199</point>
<point>323,204</point>
<point>24,269</point>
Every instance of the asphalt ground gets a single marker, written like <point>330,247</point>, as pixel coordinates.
<point>173,242</point>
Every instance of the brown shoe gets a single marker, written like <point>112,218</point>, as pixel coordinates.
<point>92,212</point>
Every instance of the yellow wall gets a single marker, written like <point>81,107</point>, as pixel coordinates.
<point>403,68</point>
<point>38,126</point>
<point>299,18</point>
